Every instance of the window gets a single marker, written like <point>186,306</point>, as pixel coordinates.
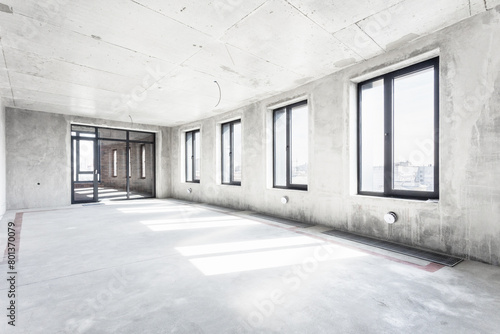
<point>231,152</point>
<point>129,162</point>
<point>193,156</point>
<point>115,164</point>
<point>398,133</point>
<point>290,126</point>
<point>143,161</point>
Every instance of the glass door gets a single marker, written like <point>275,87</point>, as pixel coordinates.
<point>111,164</point>
<point>84,169</point>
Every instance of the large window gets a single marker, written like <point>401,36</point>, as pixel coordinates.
<point>290,125</point>
<point>398,133</point>
<point>231,152</point>
<point>193,156</point>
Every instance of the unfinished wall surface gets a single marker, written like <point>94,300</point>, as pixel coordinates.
<point>466,219</point>
<point>3,195</point>
<point>39,157</point>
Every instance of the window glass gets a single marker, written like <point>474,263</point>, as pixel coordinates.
<point>372,135</point>
<point>398,133</point>
<point>112,134</point>
<point>237,152</point>
<point>189,156</point>
<point>413,162</point>
<point>86,156</point>
<point>299,145</point>
<point>142,136</point>
<point>197,155</point>
<point>280,149</point>
<point>226,152</point>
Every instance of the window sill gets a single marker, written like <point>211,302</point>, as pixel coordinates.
<point>399,199</point>
<point>289,189</point>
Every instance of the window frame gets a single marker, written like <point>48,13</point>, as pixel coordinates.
<point>288,114</point>
<point>388,80</point>
<point>193,156</point>
<point>231,155</point>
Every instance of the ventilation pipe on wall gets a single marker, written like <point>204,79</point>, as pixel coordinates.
<point>390,217</point>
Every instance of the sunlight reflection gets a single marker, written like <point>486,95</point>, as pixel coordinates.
<point>84,191</point>
<point>121,197</point>
<point>270,259</point>
<point>180,208</point>
<point>246,245</point>
<point>118,193</point>
<point>166,225</point>
<point>190,219</point>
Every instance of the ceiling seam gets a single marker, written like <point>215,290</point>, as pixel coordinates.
<point>470,9</point>
<point>324,29</point>
<point>55,94</point>
<point>263,59</point>
<point>243,18</point>
<point>229,53</point>
<point>68,82</point>
<point>171,18</point>
<point>104,41</point>
<point>370,37</point>
<point>8,73</point>
<point>72,63</point>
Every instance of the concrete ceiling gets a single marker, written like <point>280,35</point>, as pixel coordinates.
<point>157,60</point>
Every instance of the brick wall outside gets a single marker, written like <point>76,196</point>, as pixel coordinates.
<point>137,183</point>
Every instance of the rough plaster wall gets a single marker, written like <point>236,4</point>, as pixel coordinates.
<point>465,221</point>
<point>3,196</point>
<point>39,151</point>
<point>37,160</point>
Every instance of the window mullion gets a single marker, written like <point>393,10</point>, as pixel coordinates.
<point>288,148</point>
<point>231,162</point>
<point>193,153</point>
<point>388,134</point>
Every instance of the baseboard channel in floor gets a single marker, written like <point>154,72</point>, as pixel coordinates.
<point>445,260</point>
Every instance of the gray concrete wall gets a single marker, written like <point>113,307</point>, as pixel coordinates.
<point>39,157</point>
<point>3,195</point>
<point>466,219</point>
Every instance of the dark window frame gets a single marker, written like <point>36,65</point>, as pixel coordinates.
<point>231,156</point>
<point>76,134</point>
<point>193,156</point>
<point>288,113</point>
<point>388,133</point>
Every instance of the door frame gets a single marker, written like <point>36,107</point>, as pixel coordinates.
<point>95,171</point>
<point>96,139</point>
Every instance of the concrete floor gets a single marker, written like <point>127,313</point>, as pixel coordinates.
<point>166,266</point>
